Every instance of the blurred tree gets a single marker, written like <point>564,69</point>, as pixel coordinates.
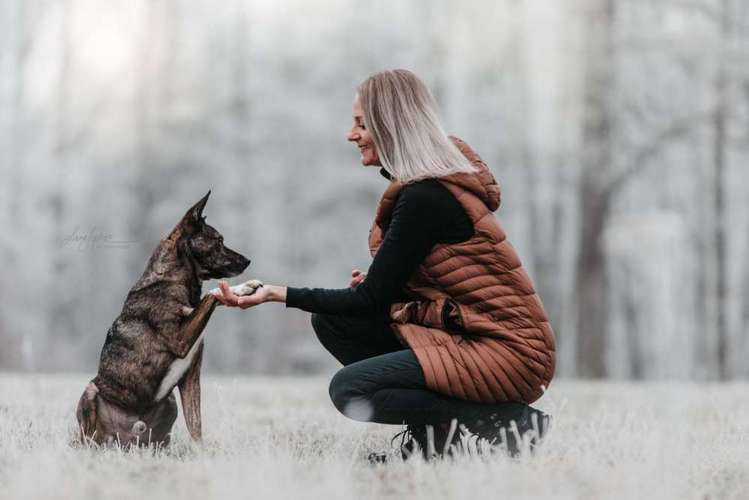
<point>598,124</point>
<point>604,174</point>
<point>720,125</point>
<point>147,178</point>
<point>22,260</point>
<point>14,24</point>
<point>62,313</point>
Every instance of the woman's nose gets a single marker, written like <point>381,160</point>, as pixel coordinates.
<point>352,136</point>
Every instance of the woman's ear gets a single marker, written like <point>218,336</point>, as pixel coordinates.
<point>86,412</point>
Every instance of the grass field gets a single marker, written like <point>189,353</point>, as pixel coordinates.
<point>282,439</point>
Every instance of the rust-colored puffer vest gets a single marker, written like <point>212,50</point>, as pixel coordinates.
<point>475,323</point>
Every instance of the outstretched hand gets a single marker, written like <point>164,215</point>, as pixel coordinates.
<point>226,296</point>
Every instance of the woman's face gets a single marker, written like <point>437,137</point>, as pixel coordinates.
<point>362,137</point>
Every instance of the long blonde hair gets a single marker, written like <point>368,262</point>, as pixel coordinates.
<point>401,115</point>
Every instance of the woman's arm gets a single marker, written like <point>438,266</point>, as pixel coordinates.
<point>409,239</point>
<point>423,216</point>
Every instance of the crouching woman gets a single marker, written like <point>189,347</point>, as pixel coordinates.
<point>445,328</point>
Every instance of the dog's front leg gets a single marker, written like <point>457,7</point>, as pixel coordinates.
<point>189,393</point>
<point>181,337</point>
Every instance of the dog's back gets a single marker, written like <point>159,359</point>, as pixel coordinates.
<point>133,362</point>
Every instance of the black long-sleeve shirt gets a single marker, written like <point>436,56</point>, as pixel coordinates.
<point>425,214</point>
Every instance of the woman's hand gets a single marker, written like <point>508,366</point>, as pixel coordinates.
<point>266,293</point>
<point>356,277</point>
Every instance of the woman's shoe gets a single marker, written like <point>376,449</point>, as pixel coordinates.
<point>493,434</point>
<point>431,441</point>
<point>508,434</point>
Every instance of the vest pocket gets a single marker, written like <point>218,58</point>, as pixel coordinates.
<point>444,314</point>
<point>452,317</point>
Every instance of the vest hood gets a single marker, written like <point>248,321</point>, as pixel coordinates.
<point>482,184</point>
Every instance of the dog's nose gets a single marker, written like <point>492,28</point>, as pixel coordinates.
<point>244,263</point>
<point>139,427</point>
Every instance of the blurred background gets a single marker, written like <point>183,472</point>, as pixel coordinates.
<point>618,130</point>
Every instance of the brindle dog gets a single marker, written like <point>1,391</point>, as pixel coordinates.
<point>157,340</point>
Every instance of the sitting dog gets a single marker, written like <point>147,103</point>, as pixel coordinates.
<point>156,343</point>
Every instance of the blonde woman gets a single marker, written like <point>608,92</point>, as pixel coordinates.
<point>445,332</point>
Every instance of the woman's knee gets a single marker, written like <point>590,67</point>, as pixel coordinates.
<point>349,397</point>
<point>341,389</point>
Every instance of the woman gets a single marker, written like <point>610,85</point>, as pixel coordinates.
<point>445,327</point>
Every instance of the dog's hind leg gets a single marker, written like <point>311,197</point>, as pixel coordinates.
<point>86,413</point>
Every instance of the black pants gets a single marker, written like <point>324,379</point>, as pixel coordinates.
<point>382,382</point>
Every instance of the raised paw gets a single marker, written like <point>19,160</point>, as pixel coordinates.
<point>247,288</point>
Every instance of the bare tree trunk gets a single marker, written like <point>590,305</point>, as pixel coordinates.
<point>591,285</point>
<point>15,156</point>
<point>62,313</point>
<point>631,320</point>
<point>240,115</point>
<point>744,321</point>
<point>240,119</point>
<point>11,340</point>
<point>720,123</point>
<point>545,248</point>
<point>143,184</point>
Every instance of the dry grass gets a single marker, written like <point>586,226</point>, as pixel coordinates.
<point>281,438</point>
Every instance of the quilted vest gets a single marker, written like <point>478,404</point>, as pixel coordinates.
<point>474,320</point>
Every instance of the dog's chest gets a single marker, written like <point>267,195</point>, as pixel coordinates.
<point>177,370</point>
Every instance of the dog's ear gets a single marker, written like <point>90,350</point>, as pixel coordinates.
<point>196,212</point>
<point>191,221</point>
<point>194,217</point>
<point>86,412</point>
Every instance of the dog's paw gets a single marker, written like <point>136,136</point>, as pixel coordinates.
<point>247,288</point>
